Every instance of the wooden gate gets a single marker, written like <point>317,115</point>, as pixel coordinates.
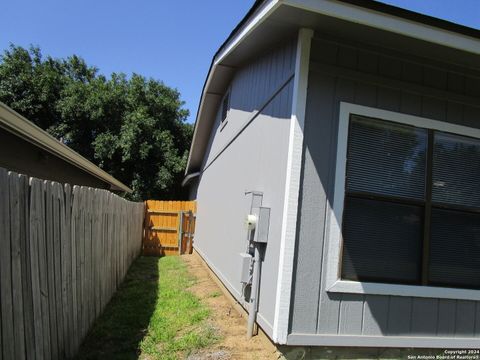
<point>169,227</point>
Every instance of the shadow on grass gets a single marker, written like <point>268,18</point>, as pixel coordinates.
<point>118,332</point>
<point>152,317</point>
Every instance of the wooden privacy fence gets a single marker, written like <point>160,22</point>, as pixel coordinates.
<point>63,253</point>
<point>169,227</point>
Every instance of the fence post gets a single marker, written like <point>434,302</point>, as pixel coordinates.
<point>190,230</point>
<point>180,232</point>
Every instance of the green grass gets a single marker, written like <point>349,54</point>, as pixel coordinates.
<point>215,294</point>
<point>152,316</point>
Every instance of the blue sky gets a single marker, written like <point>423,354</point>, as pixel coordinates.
<point>169,40</point>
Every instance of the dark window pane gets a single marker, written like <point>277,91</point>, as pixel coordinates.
<point>456,170</point>
<point>382,241</point>
<point>455,249</point>
<point>386,158</point>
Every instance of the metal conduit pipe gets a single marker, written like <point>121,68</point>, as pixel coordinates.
<point>260,227</point>
<point>253,306</point>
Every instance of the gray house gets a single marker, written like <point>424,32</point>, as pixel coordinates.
<point>350,131</point>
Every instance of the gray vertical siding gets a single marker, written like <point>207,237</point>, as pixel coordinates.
<point>247,152</point>
<point>251,88</point>
<point>341,72</point>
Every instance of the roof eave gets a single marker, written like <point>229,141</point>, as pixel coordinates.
<point>15,123</point>
<point>396,20</point>
<point>260,10</point>
<point>368,12</point>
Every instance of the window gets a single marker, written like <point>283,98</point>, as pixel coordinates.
<point>225,106</point>
<point>411,206</point>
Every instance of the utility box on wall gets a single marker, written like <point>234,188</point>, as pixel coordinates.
<point>263,223</point>
<point>245,263</point>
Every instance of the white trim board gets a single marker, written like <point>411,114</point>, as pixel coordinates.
<point>269,7</point>
<point>251,25</point>
<point>333,282</point>
<point>382,341</point>
<point>292,188</point>
<point>390,23</point>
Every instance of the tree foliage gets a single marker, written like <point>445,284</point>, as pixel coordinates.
<point>132,127</point>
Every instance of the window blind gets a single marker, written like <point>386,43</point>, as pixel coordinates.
<point>386,158</point>
<point>455,249</point>
<point>395,232</point>
<point>382,241</point>
<point>456,170</point>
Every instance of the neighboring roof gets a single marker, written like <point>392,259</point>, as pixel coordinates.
<point>15,123</point>
<point>262,10</point>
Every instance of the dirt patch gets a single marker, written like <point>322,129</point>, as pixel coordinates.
<point>230,322</point>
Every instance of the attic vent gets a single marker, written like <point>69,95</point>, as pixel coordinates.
<point>225,106</point>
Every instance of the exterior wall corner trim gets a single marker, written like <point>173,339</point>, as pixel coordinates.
<point>292,188</point>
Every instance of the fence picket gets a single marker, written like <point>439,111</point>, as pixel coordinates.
<point>26,281</point>
<point>6,269</point>
<point>66,249</point>
<point>50,268</point>
<point>57,265</point>
<point>15,237</point>
<point>43,269</point>
<point>87,268</point>
<point>64,253</point>
<point>75,221</point>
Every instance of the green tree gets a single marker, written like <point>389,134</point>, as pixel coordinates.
<point>133,127</point>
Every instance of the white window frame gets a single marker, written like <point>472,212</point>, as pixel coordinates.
<point>334,283</point>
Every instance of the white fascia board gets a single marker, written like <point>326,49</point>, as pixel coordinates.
<point>292,188</point>
<point>356,287</point>
<point>391,23</point>
<point>268,7</point>
<point>189,177</point>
